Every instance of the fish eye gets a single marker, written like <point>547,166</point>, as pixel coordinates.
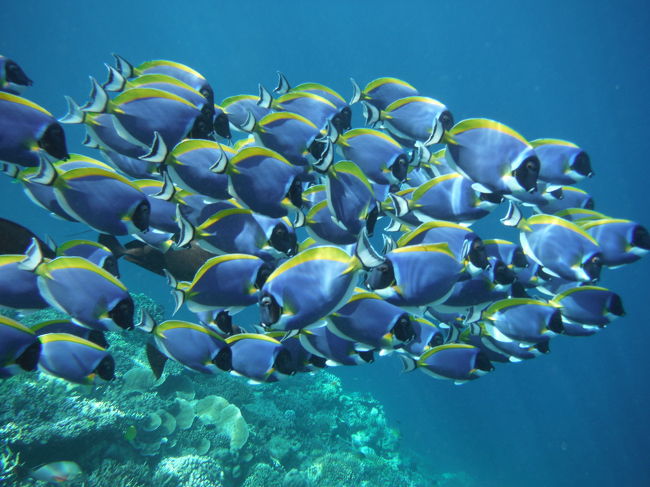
<point>526,174</point>
<point>400,167</point>
<point>593,267</point>
<point>270,310</point>
<point>403,329</point>
<point>478,255</point>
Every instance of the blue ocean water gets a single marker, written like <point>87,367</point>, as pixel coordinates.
<point>568,69</point>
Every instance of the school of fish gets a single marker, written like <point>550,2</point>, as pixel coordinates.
<point>270,202</point>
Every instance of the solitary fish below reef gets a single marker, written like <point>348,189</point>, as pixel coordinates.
<point>57,472</point>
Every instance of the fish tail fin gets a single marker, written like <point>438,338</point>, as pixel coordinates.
<point>266,99</point>
<point>33,257</point>
<point>115,81</point>
<point>177,292</point>
<point>356,92</point>
<point>124,67</point>
<point>156,360</point>
<point>365,252</point>
<point>389,244</point>
<point>168,190</point>
<point>331,132</point>
<point>299,219</point>
<point>75,114</point>
<point>98,101</point>
<point>400,205</point>
<point>326,159</point>
<point>283,84</point>
<point>419,155</point>
<point>371,113</point>
<point>46,172</point>
<point>514,217</point>
<point>186,230</point>
<point>157,150</point>
<point>408,363</point>
<point>219,167</point>
<point>90,142</point>
<point>437,133</point>
<point>250,123</point>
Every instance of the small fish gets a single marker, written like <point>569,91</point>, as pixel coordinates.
<point>89,294</point>
<point>571,198</point>
<point>26,130</point>
<point>451,361</point>
<point>258,357</point>
<point>94,252</point>
<point>332,349</point>
<point>621,241</point>
<point>75,359</point>
<point>12,77</point>
<point>381,92</point>
<point>495,157</point>
<point>57,472</point>
<point>561,162</point>
<point>590,305</point>
<point>19,346</point>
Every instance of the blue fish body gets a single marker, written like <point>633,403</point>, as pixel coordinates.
<point>254,356</point>
<point>562,162</point>
<point>18,345</point>
<point>454,361</point>
<point>18,287</point>
<point>74,359</point>
<point>590,305</point>
<point>621,241</point>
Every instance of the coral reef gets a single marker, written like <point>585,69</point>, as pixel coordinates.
<point>187,429</point>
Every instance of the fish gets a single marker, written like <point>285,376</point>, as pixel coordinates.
<point>498,159</point>
<point>332,349</point>
<point>561,247</point>
<point>400,280</point>
<point>19,287</point>
<point>75,359</point>
<point>229,282</point>
<point>572,197</point>
<point>561,162</point>
<point>238,107</point>
<point>94,252</point>
<point>12,77</point>
<point>426,335</point>
<point>57,472</point>
<point>264,181</point>
<point>589,305</point>
<point>413,119</point>
<point>65,325</point>
<point>621,241</point>
<point>91,296</point>
<point>371,322</point>
<point>15,239</point>
<point>315,108</point>
<point>452,361</point>
<point>328,272</point>
<point>100,198</point>
<point>19,346</point>
<point>194,346</point>
<point>524,320</point>
<point>258,357</point>
<point>381,92</point>
<point>26,130</point>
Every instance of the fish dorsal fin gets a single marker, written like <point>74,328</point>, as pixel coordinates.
<point>168,190</point>
<point>371,113</point>
<point>98,101</point>
<point>146,323</point>
<point>249,124</point>
<point>356,92</point>
<point>46,172</point>
<point>123,66</point>
<point>266,100</point>
<point>220,165</point>
<point>366,253</point>
<point>186,229</point>
<point>115,81</point>
<point>326,159</point>
<point>33,257</point>
<point>283,85</point>
<point>74,115</point>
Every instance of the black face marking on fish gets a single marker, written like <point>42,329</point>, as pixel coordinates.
<point>15,74</point>
<point>483,363</point>
<point>491,197</point>
<point>53,141</point>
<point>122,314</point>
<point>317,148</point>
<point>141,216</point>
<point>263,274</point>
<point>641,237</point>
<point>110,265</point>
<point>615,305</point>
<point>519,258</point>
<point>106,368</point>
<point>223,359</point>
<point>503,274</point>
<point>555,323</point>
<point>593,266</point>
<point>543,347</point>
<point>478,255</point>
<point>283,240</point>
<point>526,174</point>
<point>202,127</point>
<point>270,310</point>
<point>446,119</point>
<point>582,165</point>
<point>318,361</point>
<point>28,360</point>
<point>208,94</point>
<point>589,204</point>
<point>223,321</point>
<point>295,193</point>
<point>403,329</point>
<point>283,362</point>
<point>436,340</point>
<point>400,167</point>
<point>382,276</point>
<point>221,126</point>
<point>342,121</point>
<point>367,356</point>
